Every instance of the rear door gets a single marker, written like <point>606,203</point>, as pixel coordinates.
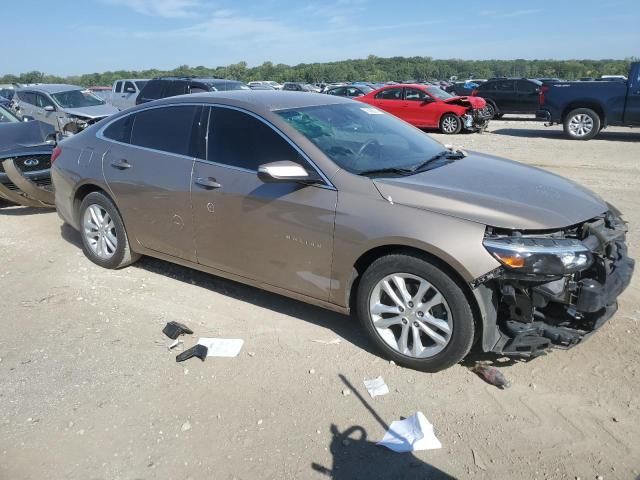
<point>632,107</point>
<point>390,100</point>
<point>280,234</point>
<point>527,94</point>
<point>505,96</point>
<point>148,172</point>
<point>27,103</point>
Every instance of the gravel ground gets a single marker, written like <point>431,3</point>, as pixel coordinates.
<point>88,389</point>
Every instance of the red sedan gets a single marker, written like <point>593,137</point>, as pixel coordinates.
<point>427,106</point>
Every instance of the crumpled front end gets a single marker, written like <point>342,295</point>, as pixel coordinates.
<point>556,288</point>
<point>476,119</point>
<point>73,124</point>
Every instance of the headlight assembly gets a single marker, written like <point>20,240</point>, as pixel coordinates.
<point>540,256</point>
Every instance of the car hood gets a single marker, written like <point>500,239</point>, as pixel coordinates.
<point>92,112</point>
<point>18,137</point>
<point>473,102</point>
<point>496,192</point>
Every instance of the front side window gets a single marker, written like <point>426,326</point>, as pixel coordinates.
<point>359,138</point>
<point>240,140</point>
<point>77,99</point>
<point>42,101</point>
<point>415,95</point>
<point>525,86</point>
<point>129,86</point>
<point>390,94</point>
<point>28,97</point>
<point>168,129</point>
<point>439,93</point>
<point>506,86</point>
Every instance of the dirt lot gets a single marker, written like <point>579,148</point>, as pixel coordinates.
<point>88,389</point>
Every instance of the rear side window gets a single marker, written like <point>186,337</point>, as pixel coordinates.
<point>168,129</point>
<point>28,97</point>
<point>241,140</point>
<point>337,91</point>
<point>153,89</point>
<point>390,94</point>
<point>118,87</point>
<point>120,130</point>
<point>484,87</point>
<point>176,87</point>
<point>506,86</point>
<point>527,87</point>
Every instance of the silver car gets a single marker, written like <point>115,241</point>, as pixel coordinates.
<point>68,108</point>
<point>339,204</point>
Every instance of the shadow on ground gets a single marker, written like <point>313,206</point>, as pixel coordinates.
<point>17,211</point>
<point>356,457</point>
<point>558,134</point>
<point>344,326</point>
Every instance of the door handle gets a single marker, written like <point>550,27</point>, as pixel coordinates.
<point>209,183</point>
<point>121,164</point>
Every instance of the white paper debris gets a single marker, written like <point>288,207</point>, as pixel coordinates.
<point>222,347</point>
<point>411,434</point>
<point>175,343</point>
<point>376,387</point>
<point>335,341</point>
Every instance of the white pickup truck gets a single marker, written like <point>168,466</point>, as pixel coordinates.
<point>125,92</point>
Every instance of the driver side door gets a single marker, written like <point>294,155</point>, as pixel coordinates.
<point>420,108</point>
<point>280,234</point>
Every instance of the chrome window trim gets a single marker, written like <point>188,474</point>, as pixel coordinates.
<point>100,135</point>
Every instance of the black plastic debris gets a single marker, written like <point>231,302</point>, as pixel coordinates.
<point>174,329</point>
<point>199,351</point>
<point>491,375</point>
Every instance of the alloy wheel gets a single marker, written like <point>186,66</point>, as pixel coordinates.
<point>581,125</point>
<point>100,231</point>
<point>411,315</point>
<point>450,124</point>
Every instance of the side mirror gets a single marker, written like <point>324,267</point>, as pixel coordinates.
<point>286,172</point>
<point>130,90</point>
<point>49,108</point>
<point>27,118</point>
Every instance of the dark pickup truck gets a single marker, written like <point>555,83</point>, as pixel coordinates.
<point>585,108</point>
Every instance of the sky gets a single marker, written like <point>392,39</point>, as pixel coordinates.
<point>83,36</point>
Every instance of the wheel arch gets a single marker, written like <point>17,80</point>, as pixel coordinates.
<point>367,258</point>
<point>588,103</point>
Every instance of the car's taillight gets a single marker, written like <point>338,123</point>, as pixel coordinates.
<point>474,92</point>
<point>55,154</point>
<point>543,90</point>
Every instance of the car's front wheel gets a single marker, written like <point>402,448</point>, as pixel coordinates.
<point>104,238</point>
<point>415,312</point>
<point>450,124</point>
<point>582,124</point>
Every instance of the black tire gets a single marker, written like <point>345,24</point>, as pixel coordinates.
<point>493,111</point>
<point>572,122</point>
<point>462,329</point>
<point>446,122</point>
<point>123,255</point>
<point>498,115</point>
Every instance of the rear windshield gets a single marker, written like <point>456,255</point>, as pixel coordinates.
<point>77,99</point>
<point>7,117</point>
<point>358,137</point>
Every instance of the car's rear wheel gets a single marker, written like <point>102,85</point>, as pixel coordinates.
<point>582,124</point>
<point>104,238</point>
<point>415,313</point>
<point>450,124</point>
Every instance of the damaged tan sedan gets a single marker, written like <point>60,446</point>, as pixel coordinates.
<point>342,205</point>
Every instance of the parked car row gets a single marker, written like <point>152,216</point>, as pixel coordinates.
<point>356,211</point>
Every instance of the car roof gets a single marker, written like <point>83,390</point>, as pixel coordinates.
<point>51,88</point>
<point>256,100</point>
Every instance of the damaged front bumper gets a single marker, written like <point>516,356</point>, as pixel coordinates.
<point>535,312</point>
<point>477,119</point>
<point>25,182</point>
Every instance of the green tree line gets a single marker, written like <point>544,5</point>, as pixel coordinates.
<point>372,68</point>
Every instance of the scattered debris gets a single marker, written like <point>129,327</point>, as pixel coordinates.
<point>199,351</point>
<point>174,329</point>
<point>392,363</point>
<point>491,375</point>
<point>185,426</point>
<point>174,344</point>
<point>411,434</point>
<point>312,371</point>
<point>335,341</point>
<point>251,354</point>
<point>615,419</point>
<point>346,392</point>
<point>476,459</point>
<point>222,347</point>
<point>376,387</point>
<point>260,422</point>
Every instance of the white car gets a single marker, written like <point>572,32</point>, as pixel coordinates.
<point>269,83</point>
<point>125,91</point>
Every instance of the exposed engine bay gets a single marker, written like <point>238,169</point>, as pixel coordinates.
<point>555,288</point>
<point>72,124</point>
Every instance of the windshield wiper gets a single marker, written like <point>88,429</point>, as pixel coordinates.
<point>398,171</point>
<point>448,154</point>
